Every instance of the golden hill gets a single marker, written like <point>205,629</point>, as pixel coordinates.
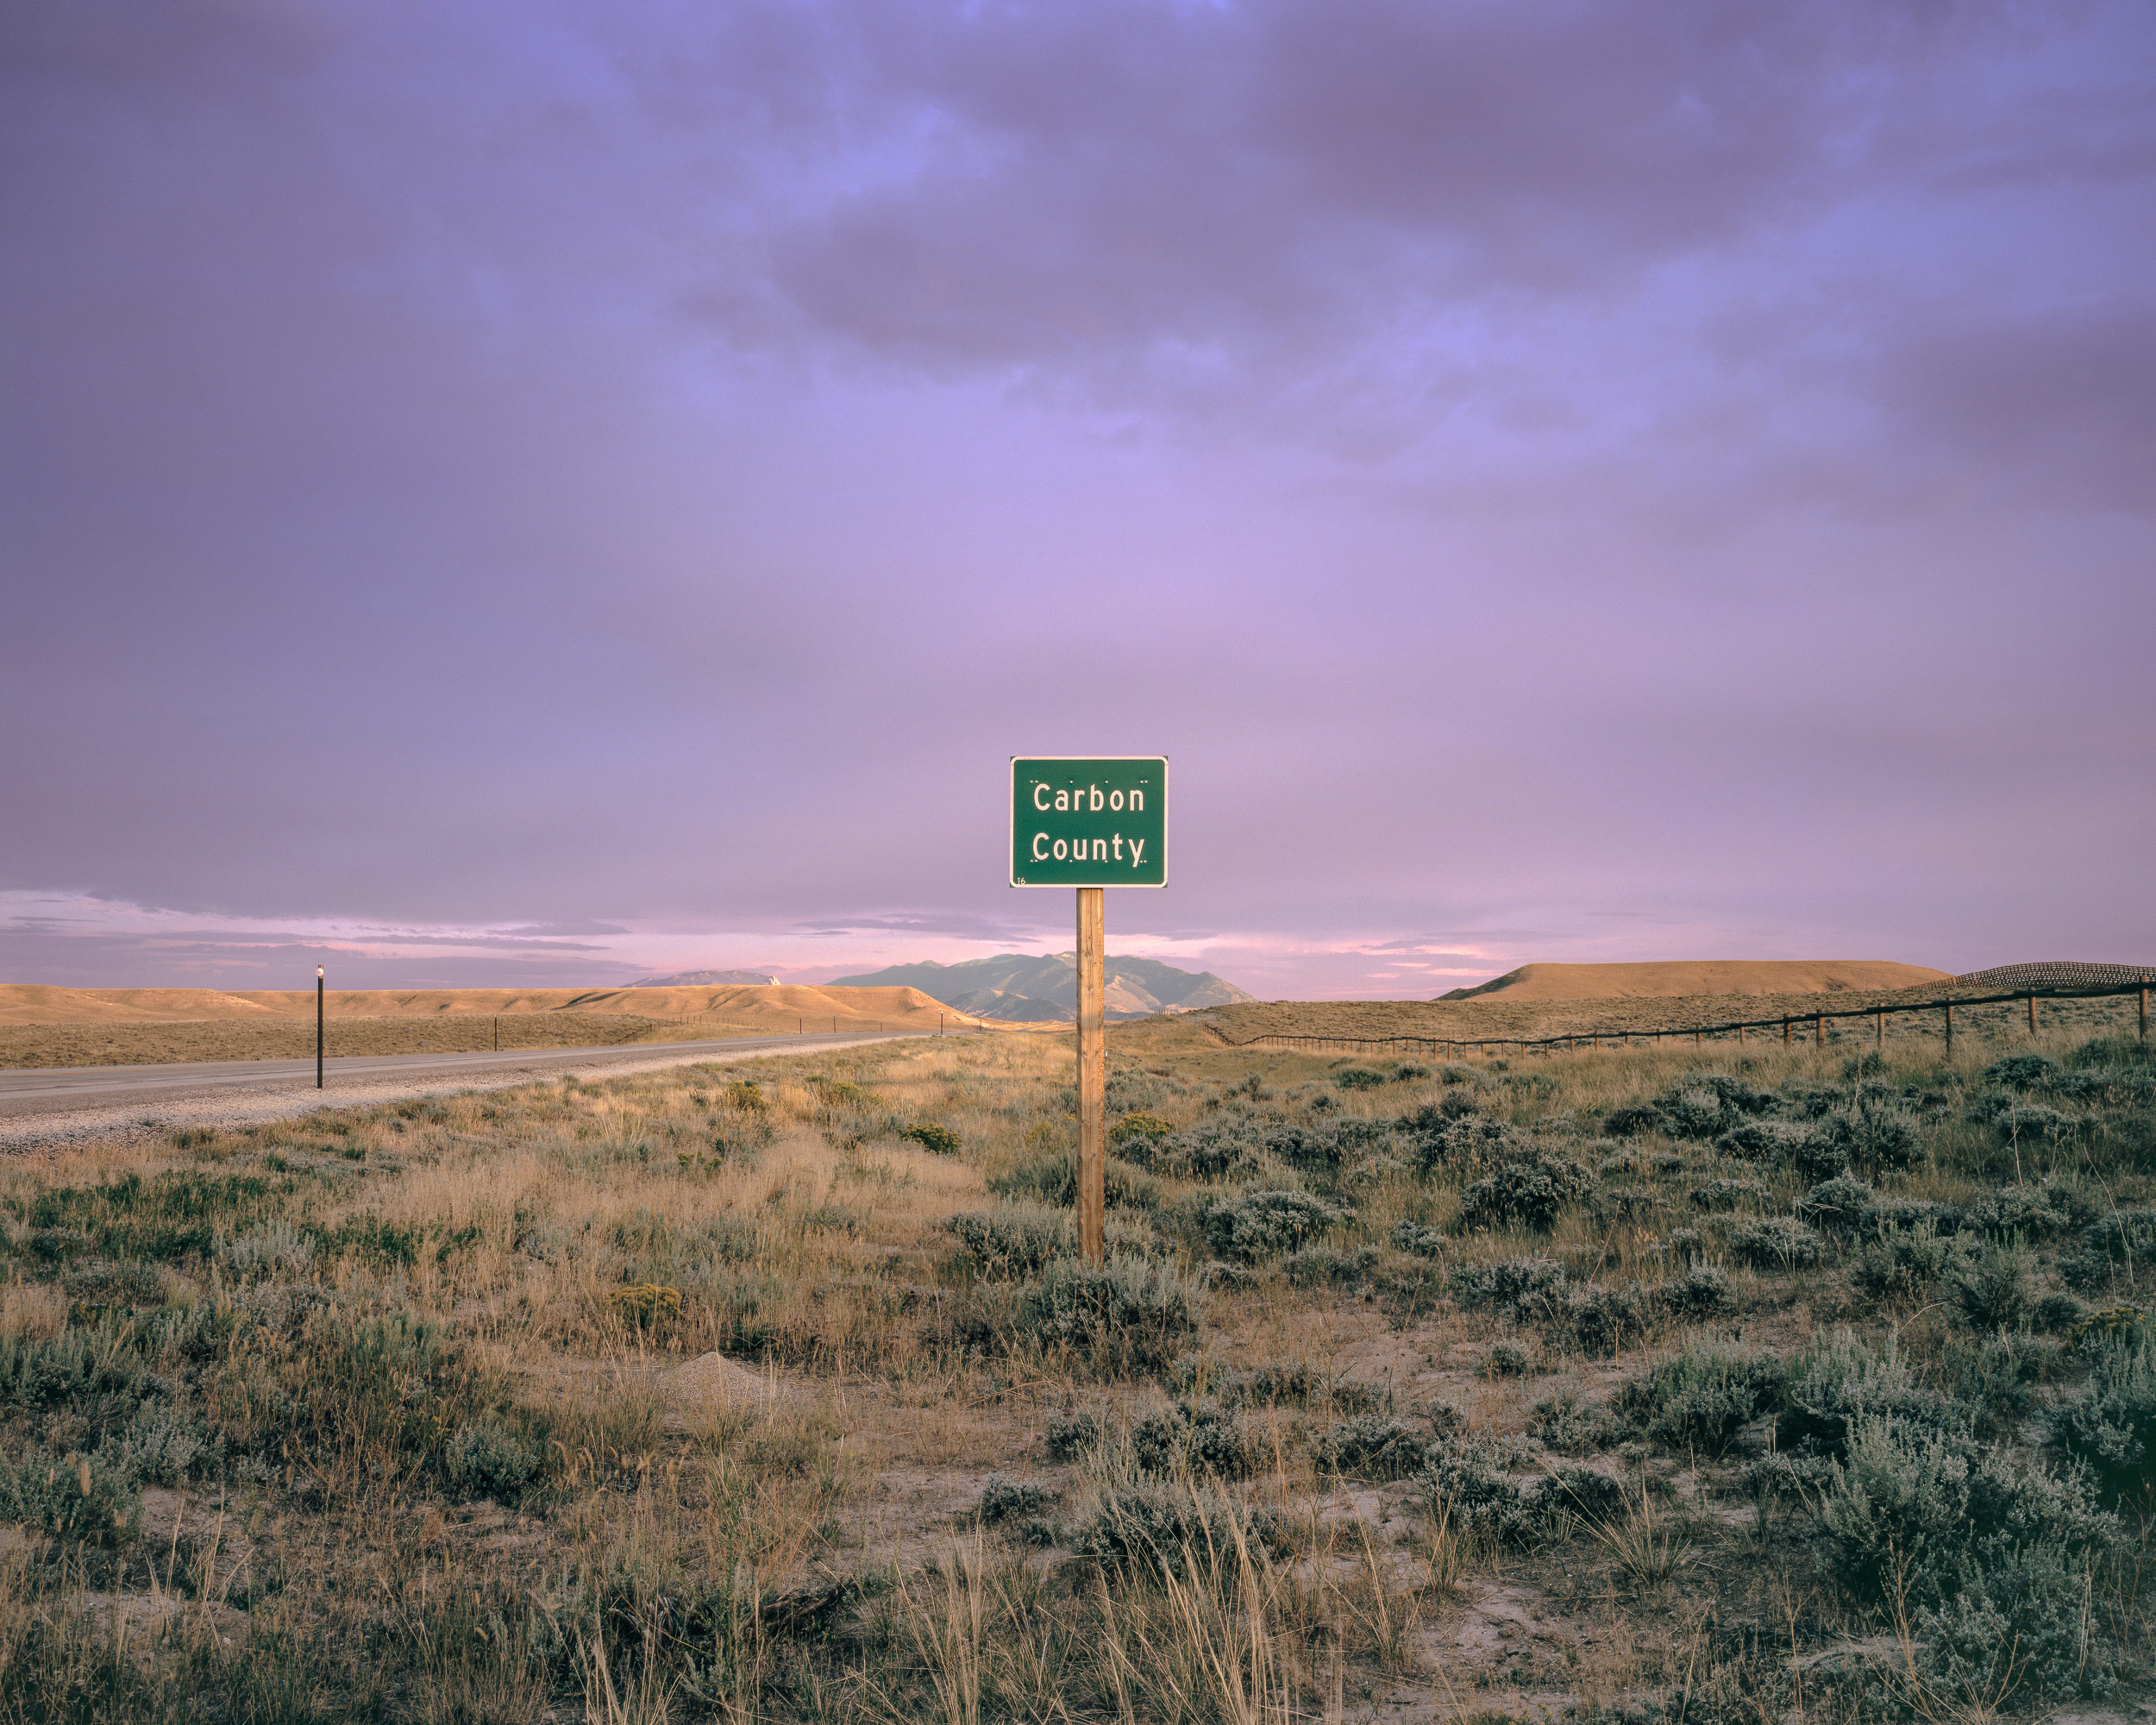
<point>1720,977</point>
<point>782,1006</point>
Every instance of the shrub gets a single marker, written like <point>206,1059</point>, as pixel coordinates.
<point>2035,1122</point>
<point>1728,1195</point>
<point>1571,1427</point>
<point>1778,1243</point>
<point>1137,1133</point>
<point>1703,1291</point>
<point>2113,1427</point>
<point>2017,1621</point>
<point>1417,1240</point>
<point>2058,1314</point>
<point>2016,1210</point>
<point>1991,1374</point>
<point>1583,1492</point>
<point>160,1446</point>
<point>78,1498</point>
<point>1603,1320</point>
<point>1994,1556</point>
<point>1905,1264</point>
<point>1896,1506</point>
<point>1054,1180</point>
<point>941,1140</point>
<point>1014,1240</point>
<point>1908,1214</point>
<point>1840,1206</point>
<point>1260,1225</point>
<point>2109,1244</point>
<point>1222,1152</point>
<point>2114,1325</point>
<point>1990,1290</point>
<point>80,1367</point>
<point>1525,1288</point>
<point>1506,1359</point>
<point>1840,1380</point>
<point>276,1246</point>
<point>1439,1139</point>
<point>1361,1077</point>
<point>99,1283</point>
<point>1626,1204</point>
<point>1697,1111</point>
<point>1148,1530</point>
<point>646,1302</point>
<point>487,1459</point>
<point>1804,1150</point>
<point>1003,1499</point>
<point>1069,1436</point>
<point>1529,1193</point>
<point>1701,1398</point>
<point>1327,1151</point>
<point>2022,1072</point>
<point>1371,1448</point>
<point>1874,1133</point>
<point>1632,1119</point>
<point>1473,1497</point>
<point>1705,1103</point>
<point>1130,1310</point>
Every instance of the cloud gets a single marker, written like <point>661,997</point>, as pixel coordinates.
<point>627,478</point>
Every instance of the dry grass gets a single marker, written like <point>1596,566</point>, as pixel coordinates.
<point>1497,1016</point>
<point>470,1459</point>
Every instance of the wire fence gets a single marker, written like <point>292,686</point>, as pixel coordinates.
<point>1790,1024</point>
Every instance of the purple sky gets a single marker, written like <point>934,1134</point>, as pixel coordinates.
<point>528,493</point>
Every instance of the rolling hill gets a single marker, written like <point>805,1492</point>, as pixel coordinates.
<point>1700,976</point>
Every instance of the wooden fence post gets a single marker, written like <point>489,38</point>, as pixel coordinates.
<point>1818,1029</point>
<point>2144,1012</point>
<point>2032,1012</point>
<point>1879,1028</point>
<point>1950,1028</point>
<point>1785,1030</point>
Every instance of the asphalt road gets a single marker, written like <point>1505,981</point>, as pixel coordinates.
<point>66,1090</point>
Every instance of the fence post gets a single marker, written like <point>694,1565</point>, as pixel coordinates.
<point>1785,1030</point>
<point>1950,1027</point>
<point>2032,1012</point>
<point>1819,1030</point>
<point>1878,1027</point>
<point>2144,1012</point>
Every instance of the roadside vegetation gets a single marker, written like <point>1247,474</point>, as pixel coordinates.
<point>1648,1386</point>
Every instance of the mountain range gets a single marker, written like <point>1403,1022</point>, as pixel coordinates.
<point>1016,988</point>
<point>708,979</point>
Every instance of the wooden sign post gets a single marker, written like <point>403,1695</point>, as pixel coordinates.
<point>1090,822</point>
<point>1092,1075</point>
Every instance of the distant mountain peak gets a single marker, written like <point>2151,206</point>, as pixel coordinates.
<point>1017,988</point>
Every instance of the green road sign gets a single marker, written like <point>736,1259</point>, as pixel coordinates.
<point>1099,821</point>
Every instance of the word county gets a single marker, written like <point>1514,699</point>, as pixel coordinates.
<point>1091,801</point>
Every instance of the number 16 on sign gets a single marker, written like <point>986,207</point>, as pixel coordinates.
<point>1089,822</point>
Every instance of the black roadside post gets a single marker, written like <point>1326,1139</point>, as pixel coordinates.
<point>318,1026</point>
